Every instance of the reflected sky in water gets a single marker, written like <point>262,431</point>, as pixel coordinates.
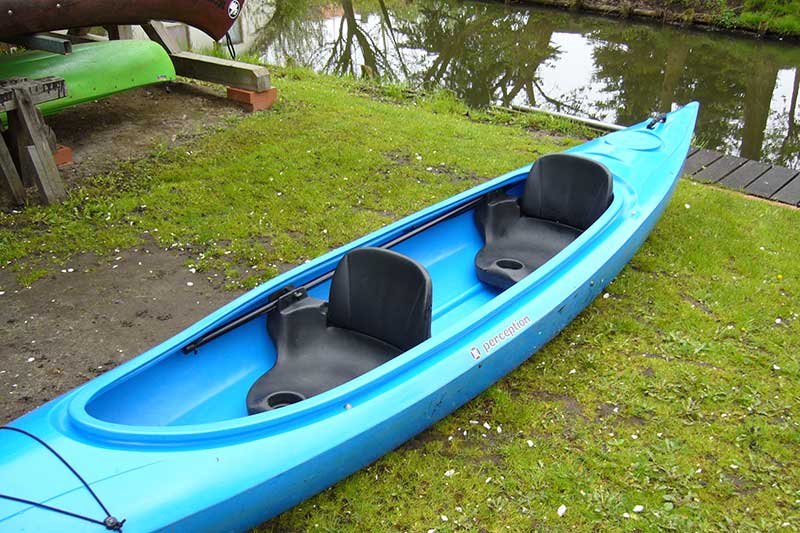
<point>607,69</point>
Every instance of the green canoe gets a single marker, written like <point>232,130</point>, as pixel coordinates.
<point>92,70</point>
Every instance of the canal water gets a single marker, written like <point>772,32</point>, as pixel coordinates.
<point>607,69</point>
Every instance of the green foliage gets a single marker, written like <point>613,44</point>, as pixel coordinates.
<point>776,16</point>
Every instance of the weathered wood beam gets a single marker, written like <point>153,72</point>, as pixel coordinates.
<point>81,37</point>
<point>57,44</point>
<point>38,153</point>
<point>223,71</point>
<point>10,182</point>
<point>117,33</point>
<point>48,180</point>
<point>157,32</point>
<point>76,39</point>
<point>41,90</point>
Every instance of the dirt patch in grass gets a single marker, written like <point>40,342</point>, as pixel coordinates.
<point>74,325</point>
<point>128,125</point>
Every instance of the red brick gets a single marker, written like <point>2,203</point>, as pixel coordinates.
<point>63,155</point>
<point>252,100</point>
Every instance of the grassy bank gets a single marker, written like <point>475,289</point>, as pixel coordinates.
<point>334,160</point>
<point>669,403</point>
<point>763,17</point>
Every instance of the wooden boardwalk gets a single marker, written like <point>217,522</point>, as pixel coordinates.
<point>772,182</point>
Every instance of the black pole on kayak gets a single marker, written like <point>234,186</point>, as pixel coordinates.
<point>273,299</point>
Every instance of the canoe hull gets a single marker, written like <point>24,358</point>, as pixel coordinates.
<point>21,17</point>
<point>93,70</point>
<point>236,474</point>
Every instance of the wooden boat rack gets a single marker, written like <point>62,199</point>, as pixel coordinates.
<point>27,159</point>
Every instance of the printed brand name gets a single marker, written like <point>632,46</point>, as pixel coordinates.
<point>501,337</point>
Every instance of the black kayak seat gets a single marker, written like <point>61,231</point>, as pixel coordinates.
<point>564,195</point>
<point>379,307</point>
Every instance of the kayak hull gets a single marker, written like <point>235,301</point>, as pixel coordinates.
<point>235,473</point>
<point>21,17</point>
<point>93,70</point>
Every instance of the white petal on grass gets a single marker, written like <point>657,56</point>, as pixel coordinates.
<point>562,510</point>
<point>450,473</point>
<point>444,518</point>
<point>530,444</point>
<point>687,206</point>
<point>638,509</point>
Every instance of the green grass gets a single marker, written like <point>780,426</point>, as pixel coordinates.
<point>780,17</point>
<point>333,160</point>
<point>678,392</point>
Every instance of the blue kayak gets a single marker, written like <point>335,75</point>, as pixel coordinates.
<point>324,369</point>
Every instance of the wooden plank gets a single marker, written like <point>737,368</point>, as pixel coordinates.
<point>44,41</point>
<point>222,71</point>
<point>157,32</point>
<point>39,152</point>
<point>116,33</point>
<point>744,175</point>
<point>771,181</point>
<point>789,193</point>
<point>719,169</point>
<point>216,70</point>
<point>700,159</point>
<point>9,177</point>
<point>81,38</point>
<point>41,90</point>
<point>48,179</point>
<point>18,140</point>
<point>692,150</point>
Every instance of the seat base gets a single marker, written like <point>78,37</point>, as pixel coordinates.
<point>312,356</point>
<point>527,244</point>
<point>516,245</point>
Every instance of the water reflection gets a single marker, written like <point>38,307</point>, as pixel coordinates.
<point>605,69</point>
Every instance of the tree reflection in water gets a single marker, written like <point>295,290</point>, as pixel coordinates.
<point>607,69</point>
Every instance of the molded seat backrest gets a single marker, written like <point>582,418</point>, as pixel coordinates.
<point>567,189</point>
<point>382,294</point>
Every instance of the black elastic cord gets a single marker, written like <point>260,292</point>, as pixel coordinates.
<point>231,48</point>
<point>110,522</point>
<point>54,509</point>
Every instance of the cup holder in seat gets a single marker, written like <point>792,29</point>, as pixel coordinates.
<point>280,399</point>
<point>510,264</point>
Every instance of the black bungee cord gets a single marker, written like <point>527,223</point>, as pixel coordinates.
<point>110,522</point>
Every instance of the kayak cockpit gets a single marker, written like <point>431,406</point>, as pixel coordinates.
<point>564,195</point>
<point>379,307</point>
<point>211,384</point>
<point>307,345</point>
